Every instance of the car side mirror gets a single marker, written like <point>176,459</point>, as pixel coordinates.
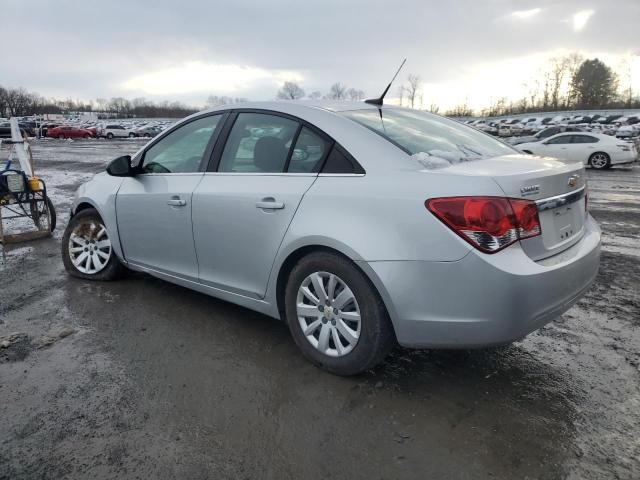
<point>121,167</point>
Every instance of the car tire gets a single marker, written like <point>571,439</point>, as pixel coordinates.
<point>82,242</point>
<point>132,135</point>
<point>364,313</point>
<point>600,160</point>
<point>61,137</point>
<point>147,135</point>
<point>86,137</point>
<point>109,136</point>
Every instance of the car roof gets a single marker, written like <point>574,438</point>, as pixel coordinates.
<point>288,106</point>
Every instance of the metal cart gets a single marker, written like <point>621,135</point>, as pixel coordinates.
<point>23,197</point>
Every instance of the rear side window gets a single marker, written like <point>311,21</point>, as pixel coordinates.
<point>308,152</point>
<point>584,139</point>
<point>258,143</point>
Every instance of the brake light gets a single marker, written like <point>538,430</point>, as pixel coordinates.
<point>488,223</point>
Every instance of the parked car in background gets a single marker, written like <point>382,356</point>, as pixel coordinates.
<point>44,128</point>
<point>116,131</point>
<point>29,128</point>
<point>479,255</point>
<point>628,131</point>
<point>5,130</point>
<point>148,131</point>
<point>66,131</point>
<point>593,149</point>
<point>546,133</point>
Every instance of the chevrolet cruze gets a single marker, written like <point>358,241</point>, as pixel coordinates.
<point>361,226</point>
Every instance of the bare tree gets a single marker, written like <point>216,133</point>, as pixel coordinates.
<point>355,95</point>
<point>315,95</point>
<point>413,88</point>
<point>575,60</point>
<point>216,101</point>
<point>290,91</point>
<point>337,91</point>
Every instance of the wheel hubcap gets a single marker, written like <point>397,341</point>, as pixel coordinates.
<point>89,247</point>
<point>328,314</point>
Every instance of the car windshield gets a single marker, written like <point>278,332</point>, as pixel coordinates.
<point>426,135</point>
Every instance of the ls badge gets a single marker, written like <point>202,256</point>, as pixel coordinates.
<point>529,190</point>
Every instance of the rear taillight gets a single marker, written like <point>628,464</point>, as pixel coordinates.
<point>488,223</point>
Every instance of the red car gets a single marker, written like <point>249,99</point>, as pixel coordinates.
<point>68,132</point>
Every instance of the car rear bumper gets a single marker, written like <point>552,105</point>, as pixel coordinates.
<point>484,300</point>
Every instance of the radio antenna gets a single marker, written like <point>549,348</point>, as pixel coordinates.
<point>378,101</point>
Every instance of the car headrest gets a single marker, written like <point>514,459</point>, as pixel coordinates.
<point>270,154</point>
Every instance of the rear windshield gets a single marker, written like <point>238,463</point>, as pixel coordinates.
<point>426,135</point>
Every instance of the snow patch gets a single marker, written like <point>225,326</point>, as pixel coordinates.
<point>434,159</point>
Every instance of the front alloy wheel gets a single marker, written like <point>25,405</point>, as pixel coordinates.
<point>89,247</point>
<point>87,251</point>
<point>328,314</point>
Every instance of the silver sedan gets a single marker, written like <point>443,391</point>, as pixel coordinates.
<point>360,226</point>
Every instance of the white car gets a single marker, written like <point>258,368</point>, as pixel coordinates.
<point>117,131</point>
<point>628,131</point>
<point>594,149</point>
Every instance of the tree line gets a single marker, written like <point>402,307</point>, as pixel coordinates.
<point>567,83</point>
<point>18,102</point>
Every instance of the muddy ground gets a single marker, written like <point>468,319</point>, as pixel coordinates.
<point>144,379</point>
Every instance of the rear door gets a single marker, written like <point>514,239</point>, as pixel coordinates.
<point>154,208</point>
<point>243,207</point>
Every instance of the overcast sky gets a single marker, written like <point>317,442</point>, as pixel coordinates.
<point>188,49</point>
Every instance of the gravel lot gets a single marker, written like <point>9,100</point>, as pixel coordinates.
<point>144,379</point>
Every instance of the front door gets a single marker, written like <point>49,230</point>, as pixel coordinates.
<point>242,211</point>
<point>154,208</point>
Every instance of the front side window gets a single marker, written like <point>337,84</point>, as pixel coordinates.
<point>258,143</point>
<point>426,134</point>
<point>181,151</point>
<point>561,140</point>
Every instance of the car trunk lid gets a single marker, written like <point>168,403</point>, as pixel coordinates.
<point>557,187</point>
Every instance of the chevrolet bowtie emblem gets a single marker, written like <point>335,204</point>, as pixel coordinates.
<point>573,180</point>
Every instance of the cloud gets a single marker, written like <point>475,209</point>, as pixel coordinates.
<point>524,14</point>
<point>197,76</point>
<point>581,18</point>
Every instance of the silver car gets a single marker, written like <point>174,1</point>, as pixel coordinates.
<point>360,226</point>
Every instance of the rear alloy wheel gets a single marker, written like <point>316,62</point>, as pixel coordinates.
<point>87,251</point>
<point>109,135</point>
<point>132,135</point>
<point>599,160</point>
<point>328,314</point>
<point>336,316</point>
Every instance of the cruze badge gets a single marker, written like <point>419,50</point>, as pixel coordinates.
<point>530,189</point>
<point>573,180</point>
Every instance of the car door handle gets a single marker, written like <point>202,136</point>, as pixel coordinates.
<point>176,202</point>
<point>269,203</point>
